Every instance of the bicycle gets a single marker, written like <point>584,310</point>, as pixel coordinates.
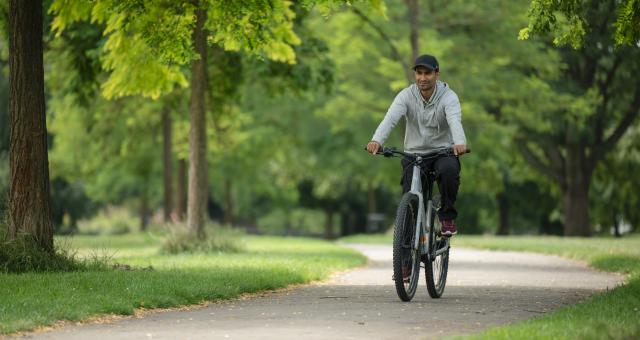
<point>416,236</point>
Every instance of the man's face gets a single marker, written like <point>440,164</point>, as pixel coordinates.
<point>426,78</point>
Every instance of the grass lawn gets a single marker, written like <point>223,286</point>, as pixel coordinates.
<point>39,299</point>
<point>611,315</point>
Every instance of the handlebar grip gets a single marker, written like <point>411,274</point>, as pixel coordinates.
<point>380,151</point>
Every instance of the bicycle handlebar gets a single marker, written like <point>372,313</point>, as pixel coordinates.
<point>391,152</point>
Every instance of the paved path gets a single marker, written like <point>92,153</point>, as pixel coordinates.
<point>484,288</point>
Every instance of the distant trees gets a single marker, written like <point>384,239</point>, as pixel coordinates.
<point>148,42</point>
<point>285,98</point>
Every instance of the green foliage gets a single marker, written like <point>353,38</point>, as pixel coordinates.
<point>41,299</point>
<point>628,23</point>
<point>69,203</point>
<point>144,55</point>
<point>219,240</point>
<point>121,137</point>
<point>254,26</point>
<point>568,21</point>
<point>135,52</point>
<point>147,42</point>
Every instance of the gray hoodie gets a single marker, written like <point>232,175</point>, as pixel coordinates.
<point>431,125</point>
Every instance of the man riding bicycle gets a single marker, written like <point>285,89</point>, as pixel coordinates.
<point>434,122</point>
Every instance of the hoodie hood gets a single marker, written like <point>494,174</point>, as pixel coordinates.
<point>441,89</point>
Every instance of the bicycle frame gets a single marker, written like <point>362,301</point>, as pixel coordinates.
<point>423,217</point>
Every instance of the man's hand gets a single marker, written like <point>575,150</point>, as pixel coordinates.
<point>459,149</point>
<point>373,147</point>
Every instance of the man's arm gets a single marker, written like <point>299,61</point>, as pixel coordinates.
<point>397,109</point>
<point>453,112</point>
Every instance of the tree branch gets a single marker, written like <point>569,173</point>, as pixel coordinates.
<point>395,55</point>
<point>600,150</point>
<point>604,90</point>
<point>557,161</point>
<point>413,14</point>
<point>537,163</point>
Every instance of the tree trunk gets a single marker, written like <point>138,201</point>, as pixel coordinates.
<point>413,14</point>
<point>414,39</point>
<point>328,227</point>
<point>167,165</point>
<point>576,189</point>
<point>503,211</point>
<point>371,208</point>
<point>228,203</point>
<point>181,190</point>
<point>371,198</point>
<point>144,212</point>
<point>288,225</point>
<point>29,206</point>
<point>576,195</point>
<point>576,209</point>
<point>197,203</point>
<point>616,225</point>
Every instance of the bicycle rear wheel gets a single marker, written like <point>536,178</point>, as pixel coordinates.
<point>436,266</point>
<point>406,260</point>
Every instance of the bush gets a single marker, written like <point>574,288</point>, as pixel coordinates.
<point>22,255</point>
<point>109,221</point>
<point>298,222</point>
<point>218,239</point>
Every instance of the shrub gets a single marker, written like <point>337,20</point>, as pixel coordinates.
<point>109,221</point>
<point>22,255</point>
<point>217,239</point>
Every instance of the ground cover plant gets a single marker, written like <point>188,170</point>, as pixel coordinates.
<point>609,315</point>
<point>145,278</point>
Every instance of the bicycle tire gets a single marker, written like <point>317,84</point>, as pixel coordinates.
<point>403,253</point>
<point>436,269</point>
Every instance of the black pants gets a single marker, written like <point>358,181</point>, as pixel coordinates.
<point>447,169</point>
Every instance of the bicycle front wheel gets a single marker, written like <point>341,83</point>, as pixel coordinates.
<point>406,259</point>
<point>437,263</point>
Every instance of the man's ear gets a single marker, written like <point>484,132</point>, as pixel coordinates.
<point>437,75</point>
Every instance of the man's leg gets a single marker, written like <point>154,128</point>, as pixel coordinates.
<point>448,174</point>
